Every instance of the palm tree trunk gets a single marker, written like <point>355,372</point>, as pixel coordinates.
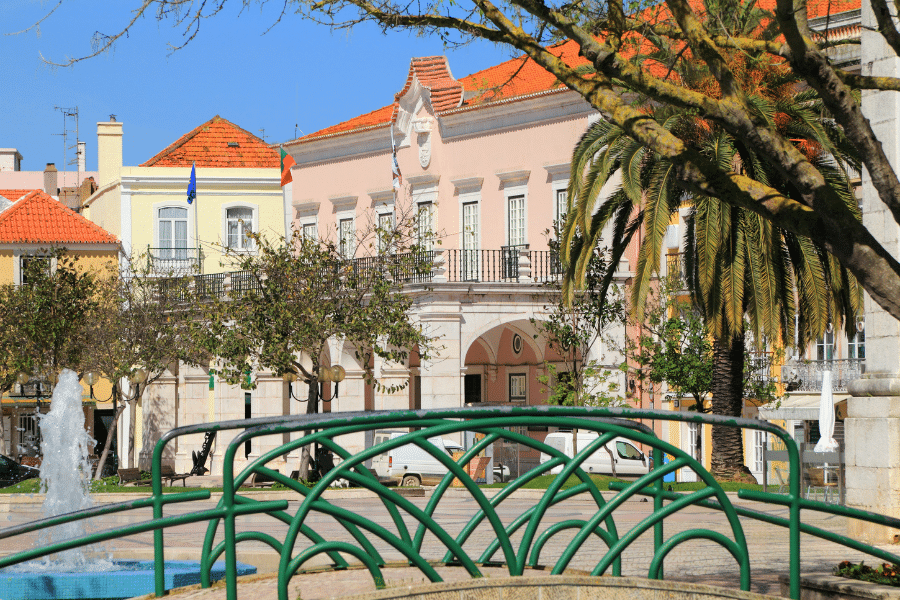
<point>727,400</point>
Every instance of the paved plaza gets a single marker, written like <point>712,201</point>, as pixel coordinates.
<point>698,561</point>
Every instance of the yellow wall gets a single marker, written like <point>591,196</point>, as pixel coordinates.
<point>6,267</point>
<point>254,187</point>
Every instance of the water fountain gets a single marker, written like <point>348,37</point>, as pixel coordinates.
<point>65,479</point>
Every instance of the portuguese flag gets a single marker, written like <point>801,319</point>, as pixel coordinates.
<point>287,161</point>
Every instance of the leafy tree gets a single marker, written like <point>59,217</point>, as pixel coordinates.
<point>632,49</point>
<point>573,330</point>
<point>43,319</point>
<point>300,294</point>
<point>137,331</point>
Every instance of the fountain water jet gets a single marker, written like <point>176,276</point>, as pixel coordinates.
<point>65,479</point>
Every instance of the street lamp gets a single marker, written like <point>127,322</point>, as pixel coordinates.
<point>335,373</point>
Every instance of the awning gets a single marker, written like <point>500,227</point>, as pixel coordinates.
<point>796,408</point>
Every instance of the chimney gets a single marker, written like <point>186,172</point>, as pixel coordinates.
<point>81,157</point>
<point>51,179</point>
<point>109,151</point>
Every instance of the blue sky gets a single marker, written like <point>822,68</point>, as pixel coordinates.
<point>297,74</point>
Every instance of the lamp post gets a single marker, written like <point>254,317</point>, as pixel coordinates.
<point>335,373</point>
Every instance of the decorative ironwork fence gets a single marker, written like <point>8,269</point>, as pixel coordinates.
<point>516,544</point>
<point>806,375</point>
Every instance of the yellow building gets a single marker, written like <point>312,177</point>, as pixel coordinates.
<point>28,229</point>
<point>238,190</point>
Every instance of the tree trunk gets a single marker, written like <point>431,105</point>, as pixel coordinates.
<point>110,438</point>
<point>132,455</point>
<point>727,400</point>
<point>312,407</point>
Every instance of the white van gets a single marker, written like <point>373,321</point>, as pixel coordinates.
<point>410,465</point>
<point>629,460</point>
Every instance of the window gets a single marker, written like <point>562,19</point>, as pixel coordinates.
<point>172,224</point>
<point>856,346</point>
<point>825,346</point>
<point>517,391</point>
<point>470,239</point>
<point>562,206</point>
<point>759,444</point>
<point>424,223</point>
<point>347,238</point>
<point>239,222</point>
<point>310,231</point>
<point>516,220</point>
<point>693,441</point>
<point>385,232</point>
<point>627,451</point>
<point>30,265</point>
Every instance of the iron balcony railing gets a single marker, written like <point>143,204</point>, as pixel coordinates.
<point>174,262</point>
<point>806,375</point>
<point>509,264</point>
<point>675,267</point>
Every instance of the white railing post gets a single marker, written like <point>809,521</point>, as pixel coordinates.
<point>439,268</point>
<point>524,266</point>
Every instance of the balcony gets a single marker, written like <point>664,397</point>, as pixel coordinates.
<point>173,262</point>
<point>806,375</point>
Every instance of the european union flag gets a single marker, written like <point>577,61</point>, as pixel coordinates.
<point>192,186</point>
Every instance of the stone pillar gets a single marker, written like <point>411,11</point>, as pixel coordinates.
<point>441,374</point>
<point>155,415</point>
<point>192,410</point>
<point>872,427</point>
<point>391,374</point>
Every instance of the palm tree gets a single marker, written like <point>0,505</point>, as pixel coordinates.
<point>745,275</point>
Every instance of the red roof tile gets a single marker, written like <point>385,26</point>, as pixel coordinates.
<point>13,194</point>
<point>39,219</point>
<point>517,77</point>
<point>433,72</point>
<point>217,143</point>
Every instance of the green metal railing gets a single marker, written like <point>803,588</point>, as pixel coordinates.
<point>528,529</point>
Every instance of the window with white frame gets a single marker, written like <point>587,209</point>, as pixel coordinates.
<point>759,444</point>
<point>385,231</point>
<point>172,228</point>
<point>516,220</point>
<point>825,346</point>
<point>517,387</point>
<point>470,235</point>
<point>310,231</point>
<point>238,223</point>
<point>562,206</point>
<point>347,237</point>
<point>856,346</point>
<point>424,224</point>
<point>30,263</point>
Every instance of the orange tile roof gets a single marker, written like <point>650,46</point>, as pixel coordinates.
<point>518,77</point>
<point>13,194</point>
<point>39,219</point>
<point>217,143</point>
<point>433,72</point>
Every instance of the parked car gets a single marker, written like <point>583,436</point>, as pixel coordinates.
<point>12,472</point>
<point>501,473</point>
<point>629,460</point>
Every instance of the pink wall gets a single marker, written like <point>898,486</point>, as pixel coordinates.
<point>528,148</point>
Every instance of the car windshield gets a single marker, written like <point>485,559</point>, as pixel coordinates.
<point>628,451</point>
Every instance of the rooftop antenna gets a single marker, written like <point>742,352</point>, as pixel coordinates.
<point>67,114</point>
<point>262,133</point>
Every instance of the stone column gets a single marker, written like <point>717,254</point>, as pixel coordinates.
<point>872,427</point>
<point>192,410</point>
<point>441,374</point>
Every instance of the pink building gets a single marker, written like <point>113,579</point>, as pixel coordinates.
<point>485,166</point>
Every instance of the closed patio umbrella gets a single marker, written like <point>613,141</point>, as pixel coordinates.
<point>826,442</point>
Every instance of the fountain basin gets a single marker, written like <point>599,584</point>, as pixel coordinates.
<point>135,579</point>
